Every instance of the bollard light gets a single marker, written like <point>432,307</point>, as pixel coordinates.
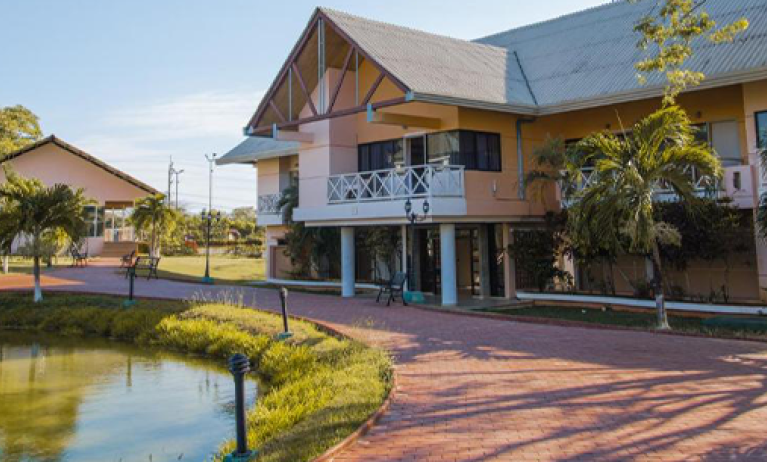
<point>286,334</point>
<point>239,365</point>
<point>132,281</point>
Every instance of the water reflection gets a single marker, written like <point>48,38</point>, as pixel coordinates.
<point>62,400</point>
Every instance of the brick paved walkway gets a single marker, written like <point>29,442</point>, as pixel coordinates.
<point>473,389</point>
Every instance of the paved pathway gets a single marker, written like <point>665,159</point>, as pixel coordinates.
<point>474,389</point>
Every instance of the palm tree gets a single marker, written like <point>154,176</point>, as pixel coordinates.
<point>39,213</point>
<point>659,152</point>
<point>152,214</point>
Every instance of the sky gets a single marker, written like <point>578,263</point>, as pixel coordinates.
<point>136,82</point>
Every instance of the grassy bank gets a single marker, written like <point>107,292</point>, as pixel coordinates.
<point>318,388</point>
<point>19,265</point>
<point>223,269</point>
<point>625,319</point>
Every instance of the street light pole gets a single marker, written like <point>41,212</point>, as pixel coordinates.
<point>413,217</point>
<point>211,160</point>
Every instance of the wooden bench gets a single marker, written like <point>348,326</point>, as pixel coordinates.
<point>393,288</point>
<point>146,264</point>
<point>79,259</point>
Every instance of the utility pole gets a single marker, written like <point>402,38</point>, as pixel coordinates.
<point>170,181</point>
<point>177,173</point>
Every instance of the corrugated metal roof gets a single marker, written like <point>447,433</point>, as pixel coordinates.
<point>579,57</point>
<point>254,149</point>
<point>592,54</point>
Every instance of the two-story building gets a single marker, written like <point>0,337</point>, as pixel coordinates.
<point>369,118</point>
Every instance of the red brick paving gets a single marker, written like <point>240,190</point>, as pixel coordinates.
<point>474,389</point>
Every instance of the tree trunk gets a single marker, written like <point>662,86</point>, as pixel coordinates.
<point>152,249</point>
<point>38,289</point>
<point>660,297</point>
<point>5,264</point>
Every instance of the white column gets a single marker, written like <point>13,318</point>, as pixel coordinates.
<point>449,277</point>
<point>347,262</point>
<point>404,254</point>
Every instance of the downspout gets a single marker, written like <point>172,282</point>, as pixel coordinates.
<point>521,157</point>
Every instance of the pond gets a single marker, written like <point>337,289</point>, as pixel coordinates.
<point>93,400</point>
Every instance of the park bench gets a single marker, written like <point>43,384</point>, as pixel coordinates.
<point>126,261</point>
<point>79,259</point>
<point>145,264</point>
<point>392,288</point>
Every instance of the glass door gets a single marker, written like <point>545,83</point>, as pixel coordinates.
<point>415,148</point>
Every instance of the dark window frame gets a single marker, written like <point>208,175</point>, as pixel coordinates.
<point>761,143</point>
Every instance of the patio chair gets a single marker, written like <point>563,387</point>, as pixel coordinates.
<point>393,288</point>
<point>79,259</point>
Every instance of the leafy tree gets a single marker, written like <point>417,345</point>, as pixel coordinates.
<point>537,251</point>
<point>18,128</point>
<point>670,29</point>
<point>154,216</point>
<point>39,213</point>
<point>384,245</point>
<point>659,152</point>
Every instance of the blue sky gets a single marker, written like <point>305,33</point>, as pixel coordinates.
<point>135,82</point>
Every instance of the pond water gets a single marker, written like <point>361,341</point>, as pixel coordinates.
<point>85,400</point>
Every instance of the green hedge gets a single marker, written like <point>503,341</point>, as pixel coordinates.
<point>317,389</point>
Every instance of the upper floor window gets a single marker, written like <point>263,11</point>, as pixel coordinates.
<point>761,130</point>
<point>472,150</point>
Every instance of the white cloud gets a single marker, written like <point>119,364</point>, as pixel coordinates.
<point>197,115</point>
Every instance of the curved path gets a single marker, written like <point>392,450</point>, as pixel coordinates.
<point>475,389</point>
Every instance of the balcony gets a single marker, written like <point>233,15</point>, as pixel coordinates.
<point>737,184</point>
<point>269,211</point>
<point>379,196</point>
<point>426,181</point>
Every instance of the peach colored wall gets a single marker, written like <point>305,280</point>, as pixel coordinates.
<point>51,164</point>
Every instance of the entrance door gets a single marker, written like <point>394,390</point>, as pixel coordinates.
<point>416,157</point>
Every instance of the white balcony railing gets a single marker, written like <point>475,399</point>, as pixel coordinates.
<point>269,204</point>
<point>397,184</point>
<point>735,181</point>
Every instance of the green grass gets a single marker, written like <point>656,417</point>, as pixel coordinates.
<point>639,321</point>
<point>317,388</point>
<point>18,265</point>
<point>223,269</point>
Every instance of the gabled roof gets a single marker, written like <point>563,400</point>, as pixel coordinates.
<point>576,61</point>
<point>254,149</point>
<point>438,65</point>
<point>83,155</point>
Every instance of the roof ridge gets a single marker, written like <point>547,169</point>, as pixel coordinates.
<point>589,10</point>
<point>332,11</point>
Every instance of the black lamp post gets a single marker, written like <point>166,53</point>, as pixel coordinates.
<point>208,216</point>
<point>413,217</point>
<point>239,366</point>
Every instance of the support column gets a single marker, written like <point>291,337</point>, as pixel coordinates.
<point>449,275</point>
<point>347,262</point>
<point>509,272</point>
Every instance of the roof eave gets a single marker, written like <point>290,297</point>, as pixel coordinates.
<point>523,109</point>
<point>255,158</point>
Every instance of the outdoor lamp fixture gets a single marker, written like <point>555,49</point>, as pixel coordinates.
<point>209,217</point>
<point>239,366</point>
<point>414,217</point>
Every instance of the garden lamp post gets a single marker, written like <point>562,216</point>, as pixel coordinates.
<point>286,333</point>
<point>413,217</point>
<point>239,366</point>
<point>209,217</point>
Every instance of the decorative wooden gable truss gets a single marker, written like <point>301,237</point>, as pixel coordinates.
<point>322,46</point>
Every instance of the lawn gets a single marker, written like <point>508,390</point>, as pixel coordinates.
<point>223,269</point>
<point>18,265</point>
<point>317,388</point>
<point>639,321</point>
